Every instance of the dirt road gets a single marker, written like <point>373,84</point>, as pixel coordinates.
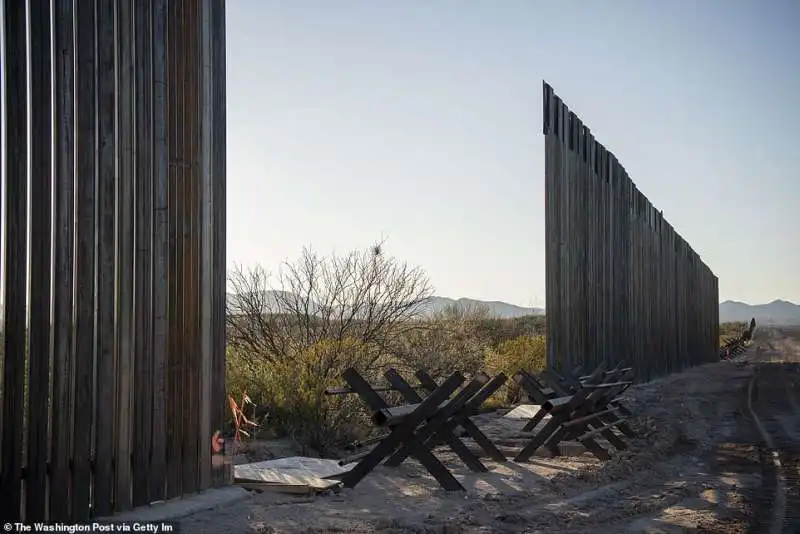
<point>719,452</point>
<point>775,400</point>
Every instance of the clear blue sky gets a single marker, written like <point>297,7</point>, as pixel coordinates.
<point>421,121</point>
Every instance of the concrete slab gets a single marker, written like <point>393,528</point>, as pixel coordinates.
<point>177,508</point>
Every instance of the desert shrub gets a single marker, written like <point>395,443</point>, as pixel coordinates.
<point>244,373</point>
<point>443,345</point>
<point>439,352</point>
<point>496,330</point>
<point>731,330</point>
<point>527,353</point>
<point>295,334</point>
<point>293,391</point>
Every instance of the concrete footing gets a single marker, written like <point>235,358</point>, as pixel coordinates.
<point>177,508</point>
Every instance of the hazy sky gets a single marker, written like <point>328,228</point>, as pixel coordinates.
<point>421,121</point>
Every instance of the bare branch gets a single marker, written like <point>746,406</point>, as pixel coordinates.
<point>363,295</point>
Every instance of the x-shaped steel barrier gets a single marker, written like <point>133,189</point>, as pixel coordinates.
<point>579,408</point>
<point>416,428</point>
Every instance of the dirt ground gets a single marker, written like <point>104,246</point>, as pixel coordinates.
<point>699,465</point>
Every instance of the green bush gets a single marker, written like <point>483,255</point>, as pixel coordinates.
<point>528,353</point>
<point>440,350</point>
<point>731,330</point>
<point>293,391</point>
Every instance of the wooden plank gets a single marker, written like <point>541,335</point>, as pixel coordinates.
<point>86,174</point>
<point>102,489</point>
<point>143,258</point>
<point>160,289</point>
<point>63,357</point>
<point>15,270</point>
<point>41,181</point>
<point>125,253</point>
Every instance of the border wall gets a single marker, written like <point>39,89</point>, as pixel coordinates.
<point>113,279</point>
<point>621,284</point>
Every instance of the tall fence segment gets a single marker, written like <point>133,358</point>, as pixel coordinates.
<point>621,284</point>
<point>113,229</point>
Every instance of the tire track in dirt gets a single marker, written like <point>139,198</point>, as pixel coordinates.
<point>768,501</point>
<point>776,504</point>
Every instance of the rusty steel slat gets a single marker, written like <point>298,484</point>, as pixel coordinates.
<point>143,255</point>
<point>219,95</point>
<point>41,183</point>
<point>205,257</point>
<point>64,234</point>
<point>105,420</point>
<point>15,273</point>
<point>189,270</point>
<point>125,254</point>
<point>85,179</point>
<point>160,290</point>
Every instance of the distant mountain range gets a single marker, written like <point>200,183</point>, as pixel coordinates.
<point>502,310</point>
<point>777,312</point>
<point>495,308</point>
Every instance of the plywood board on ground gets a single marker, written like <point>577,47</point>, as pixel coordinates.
<point>524,411</point>
<point>297,471</point>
